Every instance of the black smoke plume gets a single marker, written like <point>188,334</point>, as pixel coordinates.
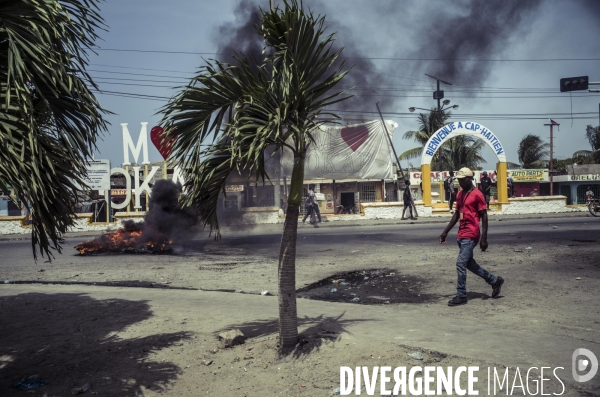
<point>166,217</point>
<point>165,227</point>
<point>432,37</point>
<point>241,37</point>
<point>477,30</point>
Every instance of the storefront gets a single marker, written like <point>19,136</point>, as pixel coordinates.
<point>344,196</point>
<point>574,186</point>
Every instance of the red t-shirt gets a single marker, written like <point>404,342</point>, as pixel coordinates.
<point>470,204</point>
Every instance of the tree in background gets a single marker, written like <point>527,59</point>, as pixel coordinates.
<point>458,152</point>
<point>49,118</point>
<point>533,152</point>
<point>428,125</point>
<point>593,137</point>
<point>250,110</point>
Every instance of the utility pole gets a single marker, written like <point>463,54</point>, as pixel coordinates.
<point>390,142</point>
<point>550,169</point>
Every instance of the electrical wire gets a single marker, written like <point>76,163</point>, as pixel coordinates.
<point>369,58</point>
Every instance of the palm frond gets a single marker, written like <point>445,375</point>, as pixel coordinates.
<point>49,118</point>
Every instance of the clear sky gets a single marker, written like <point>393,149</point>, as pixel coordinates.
<point>504,58</point>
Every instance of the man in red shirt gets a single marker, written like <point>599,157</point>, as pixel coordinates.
<point>470,209</point>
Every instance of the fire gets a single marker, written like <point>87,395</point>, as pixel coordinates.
<point>131,238</point>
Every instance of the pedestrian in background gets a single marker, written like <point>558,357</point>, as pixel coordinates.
<point>485,186</point>
<point>470,210</point>
<point>312,206</point>
<point>408,202</point>
<point>511,186</point>
<point>449,187</point>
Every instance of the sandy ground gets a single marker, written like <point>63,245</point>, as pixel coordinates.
<point>133,346</point>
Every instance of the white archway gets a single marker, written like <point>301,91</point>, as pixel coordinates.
<point>453,130</point>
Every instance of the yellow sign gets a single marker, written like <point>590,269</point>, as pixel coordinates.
<point>527,175</point>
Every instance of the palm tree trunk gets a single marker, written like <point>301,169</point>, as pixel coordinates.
<point>288,315</point>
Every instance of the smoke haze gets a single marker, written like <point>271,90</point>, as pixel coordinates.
<point>464,29</point>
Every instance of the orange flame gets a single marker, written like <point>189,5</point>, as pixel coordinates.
<point>127,239</point>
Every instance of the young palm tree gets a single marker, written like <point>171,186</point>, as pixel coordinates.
<point>533,151</point>
<point>49,119</point>
<point>251,110</point>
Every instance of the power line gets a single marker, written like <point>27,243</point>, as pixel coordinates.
<point>371,58</point>
<point>131,67</point>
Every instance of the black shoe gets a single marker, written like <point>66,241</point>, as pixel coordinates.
<point>497,286</point>
<point>457,300</point>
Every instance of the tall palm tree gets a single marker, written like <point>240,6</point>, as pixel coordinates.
<point>49,118</point>
<point>251,110</point>
<point>533,152</point>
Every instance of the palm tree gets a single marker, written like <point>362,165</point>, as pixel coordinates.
<point>251,110</point>
<point>49,118</point>
<point>593,136</point>
<point>428,125</point>
<point>533,152</point>
<point>458,152</point>
<point>463,151</point>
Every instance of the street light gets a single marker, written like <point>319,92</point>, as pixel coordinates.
<point>412,109</point>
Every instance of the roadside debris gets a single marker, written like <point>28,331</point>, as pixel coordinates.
<point>81,390</point>
<point>265,293</point>
<point>27,383</point>
<point>207,362</point>
<point>355,299</point>
<point>415,356</point>
<point>518,250</point>
<point>232,338</point>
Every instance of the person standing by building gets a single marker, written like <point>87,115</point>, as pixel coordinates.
<point>312,204</point>
<point>589,194</point>
<point>511,186</point>
<point>408,202</point>
<point>451,192</point>
<point>485,184</point>
<point>471,209</point>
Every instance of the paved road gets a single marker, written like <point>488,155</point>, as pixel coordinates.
<point>549,306</point>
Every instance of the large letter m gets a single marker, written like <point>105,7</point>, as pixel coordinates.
<point>142,144</point>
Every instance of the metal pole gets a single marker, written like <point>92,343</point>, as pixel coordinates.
<point>550,168</point>
<point>439,118</point>
<point>551,174</point>
<point>390,142</point>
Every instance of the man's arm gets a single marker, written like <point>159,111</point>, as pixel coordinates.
<point>484,229</point>
<point>449,227</point>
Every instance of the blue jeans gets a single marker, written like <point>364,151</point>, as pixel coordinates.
<point>465,261</point>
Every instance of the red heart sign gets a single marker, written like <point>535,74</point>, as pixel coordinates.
<point>164,147</point>
<point>355,136</point>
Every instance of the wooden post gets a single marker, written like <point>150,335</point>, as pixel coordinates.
<point>131,195</point>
